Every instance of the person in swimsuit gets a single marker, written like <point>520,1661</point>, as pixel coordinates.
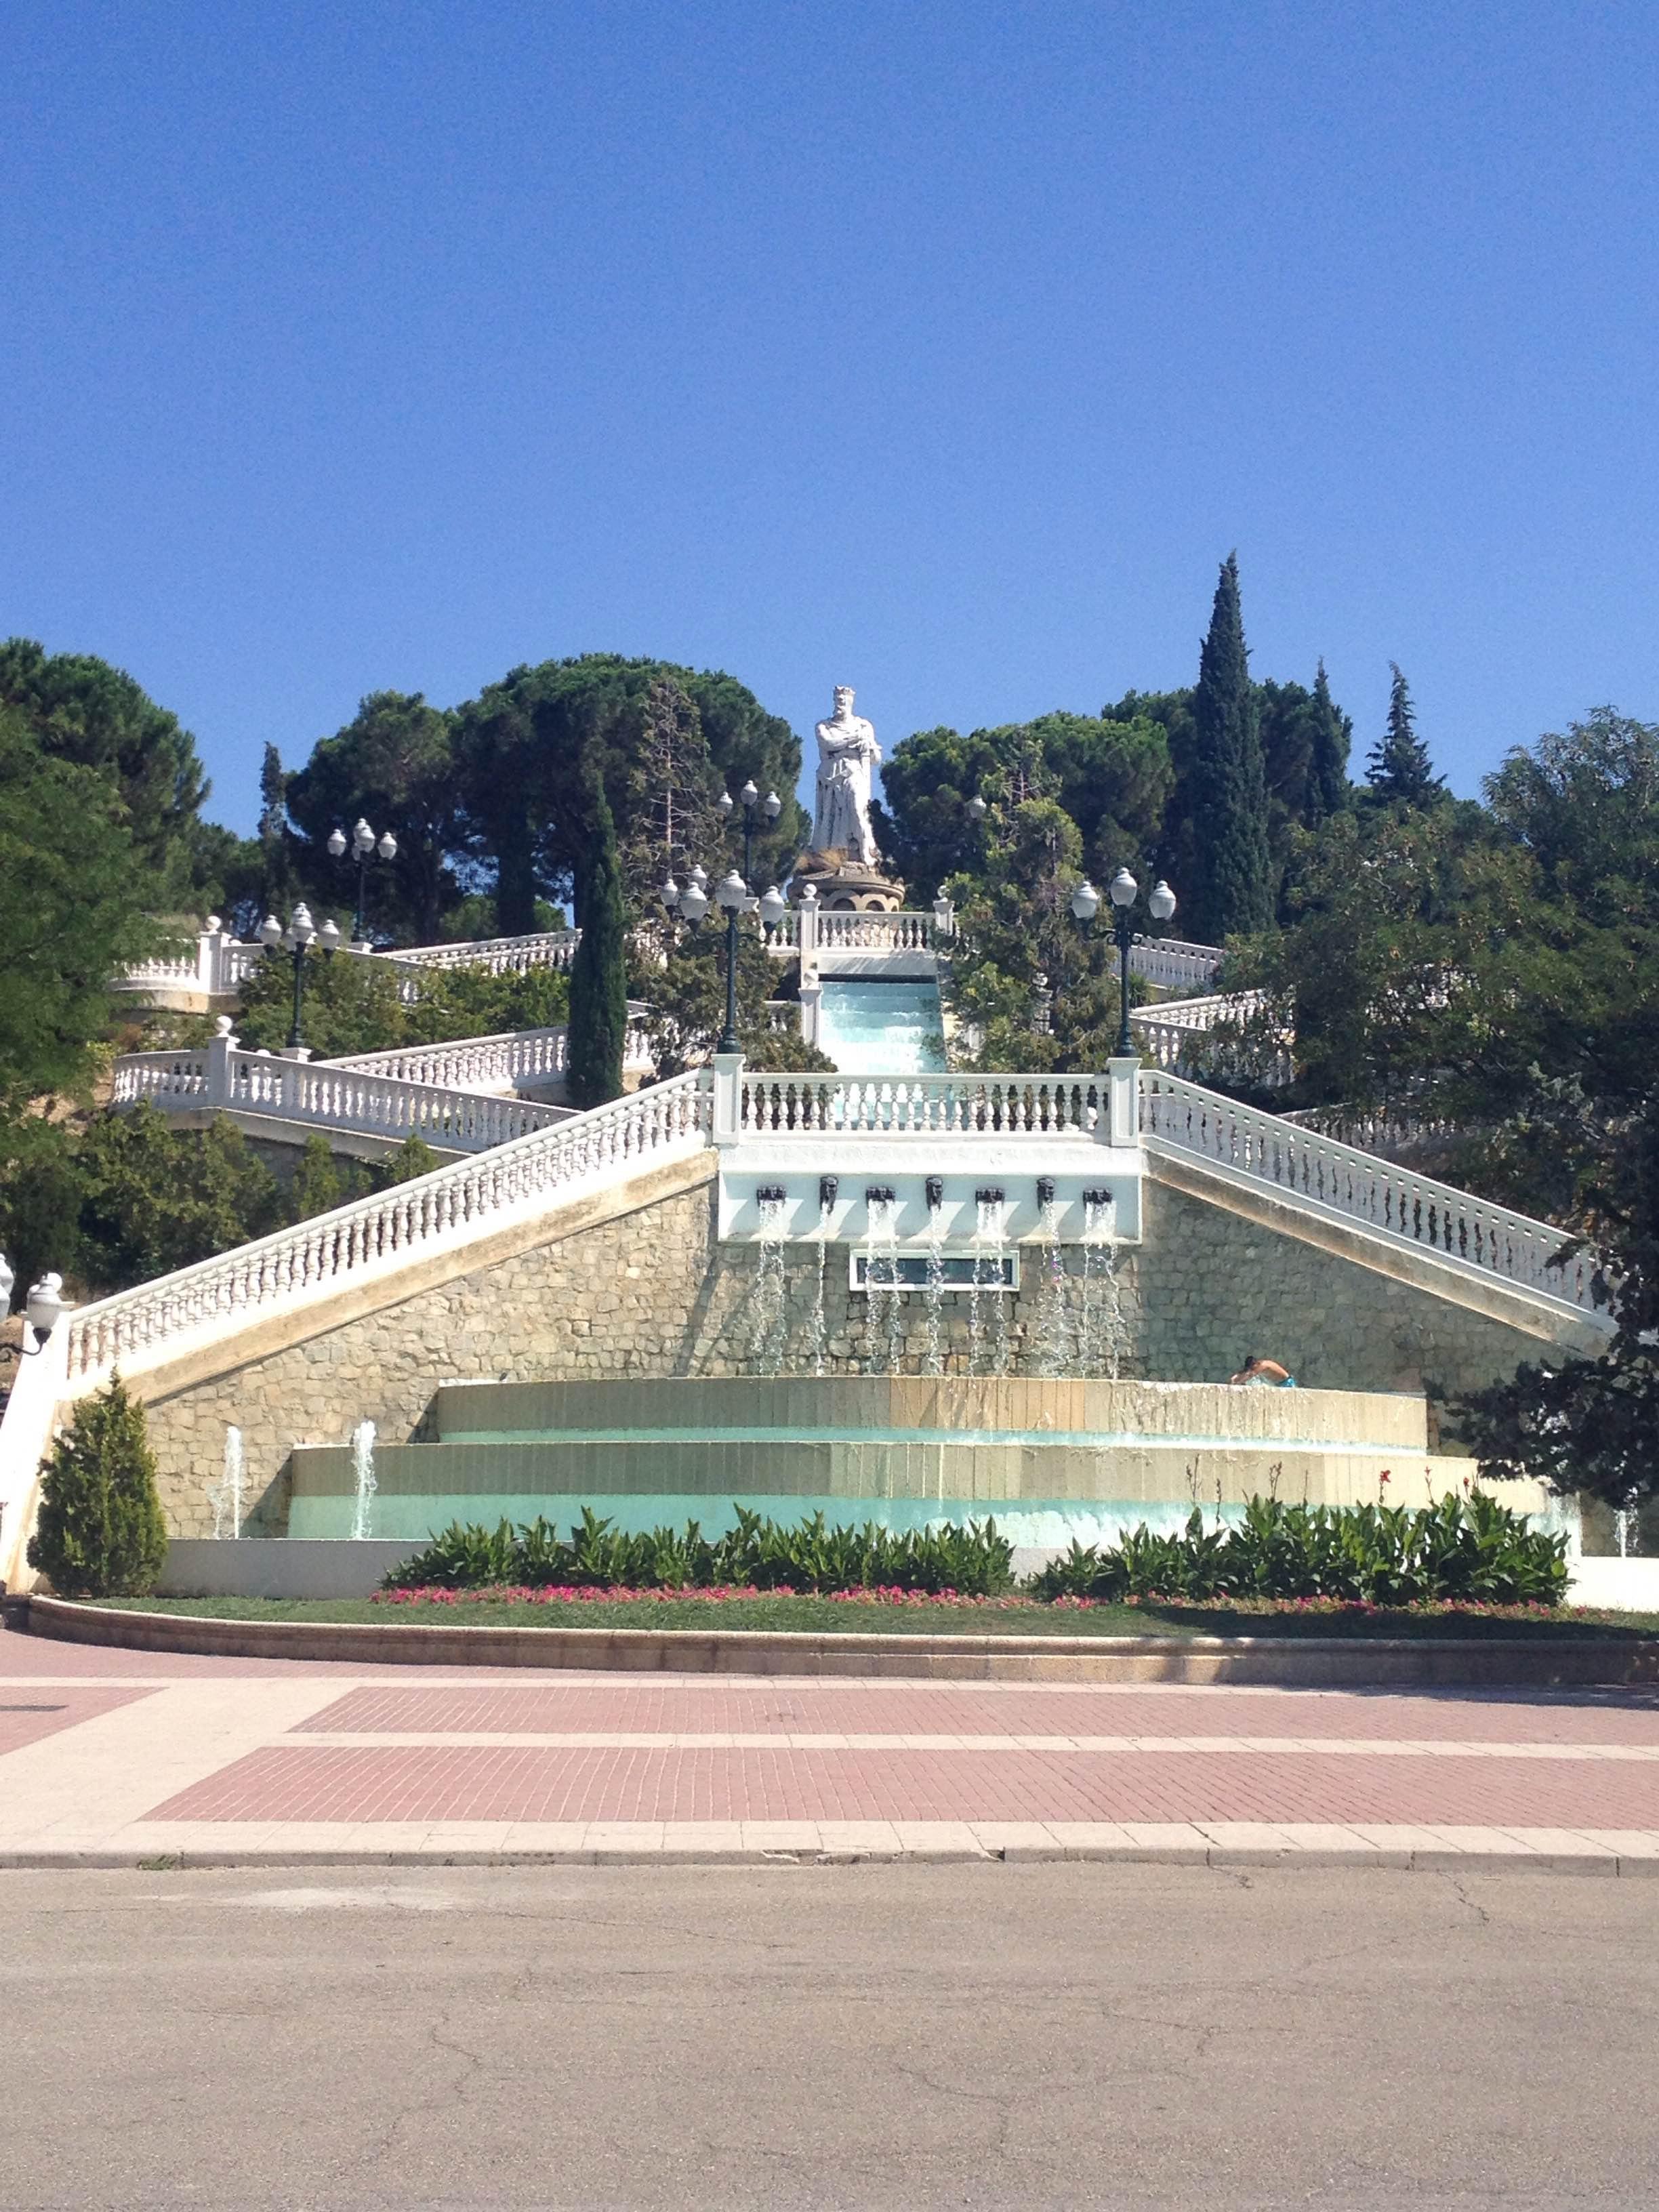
<point>1258,1369</point>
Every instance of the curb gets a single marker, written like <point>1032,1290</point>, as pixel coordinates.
<point>1221,1858</point>
<point>1284,1662</point>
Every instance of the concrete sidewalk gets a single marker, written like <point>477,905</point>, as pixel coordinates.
<point>110,1757</point>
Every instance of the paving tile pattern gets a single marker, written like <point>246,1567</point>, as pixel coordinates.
<point>28,1713</point>
<point>612,1782</point>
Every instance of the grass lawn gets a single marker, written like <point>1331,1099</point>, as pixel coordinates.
<point>1001,1618</point>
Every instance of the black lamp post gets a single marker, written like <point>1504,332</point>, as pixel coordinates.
<point>1123,891</point>
<point>733,896</point>
<point>297,937</point>
<point>364,846</point>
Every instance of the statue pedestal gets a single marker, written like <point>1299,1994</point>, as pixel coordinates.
<point>844,886</point>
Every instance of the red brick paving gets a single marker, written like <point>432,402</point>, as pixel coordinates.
<point>521,1782</point>
<point>625,1707</point>
<point>27,1714</point>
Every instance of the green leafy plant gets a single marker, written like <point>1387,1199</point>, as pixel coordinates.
<point>100,1532</point>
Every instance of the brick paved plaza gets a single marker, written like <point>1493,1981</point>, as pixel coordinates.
<point>122,1755</point>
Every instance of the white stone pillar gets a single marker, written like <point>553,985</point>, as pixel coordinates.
<point>221,1045</point>
<point>809,936</point>
<point>728,1080</point>
<point>812,1008</point>
<point>1121,1122</point>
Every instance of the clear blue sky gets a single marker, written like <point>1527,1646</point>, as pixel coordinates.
<point>941,349</point>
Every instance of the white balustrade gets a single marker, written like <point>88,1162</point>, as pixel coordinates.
<point>906,930</point>
<point>279,1274</point>
<point>1180,1034</point>
<point>1046,1106</point>
<point>498,956</point>
<point>1173,965</point>
<point>167,1078</point>
<point>1346,1184</point>
<point>782,1017</point>
<point>500,1063</point>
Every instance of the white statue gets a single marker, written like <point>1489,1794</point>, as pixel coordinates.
<point>847,753</point>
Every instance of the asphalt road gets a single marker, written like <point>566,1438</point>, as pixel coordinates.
<point>1058,2035</point>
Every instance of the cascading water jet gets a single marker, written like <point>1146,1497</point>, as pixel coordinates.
<point>225,1496</point>
<point>362,1480</point>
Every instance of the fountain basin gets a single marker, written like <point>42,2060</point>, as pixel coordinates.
<point>1051,1458</point>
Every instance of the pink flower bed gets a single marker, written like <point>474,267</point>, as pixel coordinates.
<point>558,1594</point>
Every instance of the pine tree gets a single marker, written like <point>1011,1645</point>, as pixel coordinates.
<point>1235,892</point>
<point>1328,769</point>
<point>598,981</point>
<point>100,1532</point>
<point>1399,768</point>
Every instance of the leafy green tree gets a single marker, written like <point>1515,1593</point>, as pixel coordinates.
<point>72,894</point>
<point>320,1182</point>
<point>155,1198</point>
<point>354,1005</point>
<point>598,974</point>
<point>1232,890</point>
<point>1029,988</point>
<point>1585,805</point>
<point>83,711</point>
<point>100,1532</point>
<point>1399,768</point>
<point>394,764</point>
<point>406,1163</point>
<point>522,744</point>
<point>1590,1424</point>
<point>684,995</point>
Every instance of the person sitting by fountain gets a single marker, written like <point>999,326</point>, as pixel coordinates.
<point>1258,1369</point>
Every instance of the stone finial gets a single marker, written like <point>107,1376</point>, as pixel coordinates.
<point>222,1027</point>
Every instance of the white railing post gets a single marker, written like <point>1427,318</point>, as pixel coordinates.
<point>1120,1123</point>
<point>221,1045</point>
<point>812,1010</point>
<point>728,1092</point>
<point>809,937</point>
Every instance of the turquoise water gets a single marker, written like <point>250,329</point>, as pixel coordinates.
<point>883,1028</point>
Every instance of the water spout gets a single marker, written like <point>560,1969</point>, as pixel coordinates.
<point>990,1233</point>
<point>1100,1348</point>
<point>362,1476</point>
<point>820,1326</point>
<point>225,1496</point>
<point>1051,1301</point>
<point>935,1274</point>
<point>881,1274</point>
<point>768,1317</point>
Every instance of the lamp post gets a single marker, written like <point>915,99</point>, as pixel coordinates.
<point>364,846</point>
<point>1123,890</point>
<point>733,896</point>
<point>298,937</point>
<point>42,1308</point>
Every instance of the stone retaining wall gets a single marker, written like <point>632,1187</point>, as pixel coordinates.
<point>646,1291</point>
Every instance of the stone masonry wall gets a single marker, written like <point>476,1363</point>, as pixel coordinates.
<point>647,1293</point>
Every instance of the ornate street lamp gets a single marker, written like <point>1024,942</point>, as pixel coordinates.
<point>364,846</point>
<point>1123,890</point>
<point>298,937</point>
<point>42,1308</point>
<point>733,896</point>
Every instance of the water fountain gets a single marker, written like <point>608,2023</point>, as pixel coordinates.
<point>827,1188</point>
<point>769,1313</point>
<point>225,1496</point>
<point>1050,1303</point>
<point>881,1272</point>
<point>363,1477</point>
<point>935,1190</point>
<point>990,1235</point>
<point>1100,1347</point>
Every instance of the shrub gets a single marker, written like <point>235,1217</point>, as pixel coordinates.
<point>100,1532</point>
<point>1470,1549</point>
<point>974,1561</point>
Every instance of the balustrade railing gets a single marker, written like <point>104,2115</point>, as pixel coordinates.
<point>1376,1194</point>
<point>166,1078</point>
<point>906,930</point>
<point>1181,1035</point>
<point>921,1105</point>
<point>498,956</point>
<point>1173,965</point>
<point>501,1062</point>
<point>278,1274</point>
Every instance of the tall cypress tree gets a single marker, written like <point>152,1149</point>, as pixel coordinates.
<point>1235,892</point>
<point>1398,766</point>
<point>1327,767</point>
<point>598,979</point>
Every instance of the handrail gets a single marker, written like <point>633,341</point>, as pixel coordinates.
<point>539,948</point>
<point>296,1266</point>
<point>1172,963</point>
<point>1344,1184</point>
<point>921,1105</point>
